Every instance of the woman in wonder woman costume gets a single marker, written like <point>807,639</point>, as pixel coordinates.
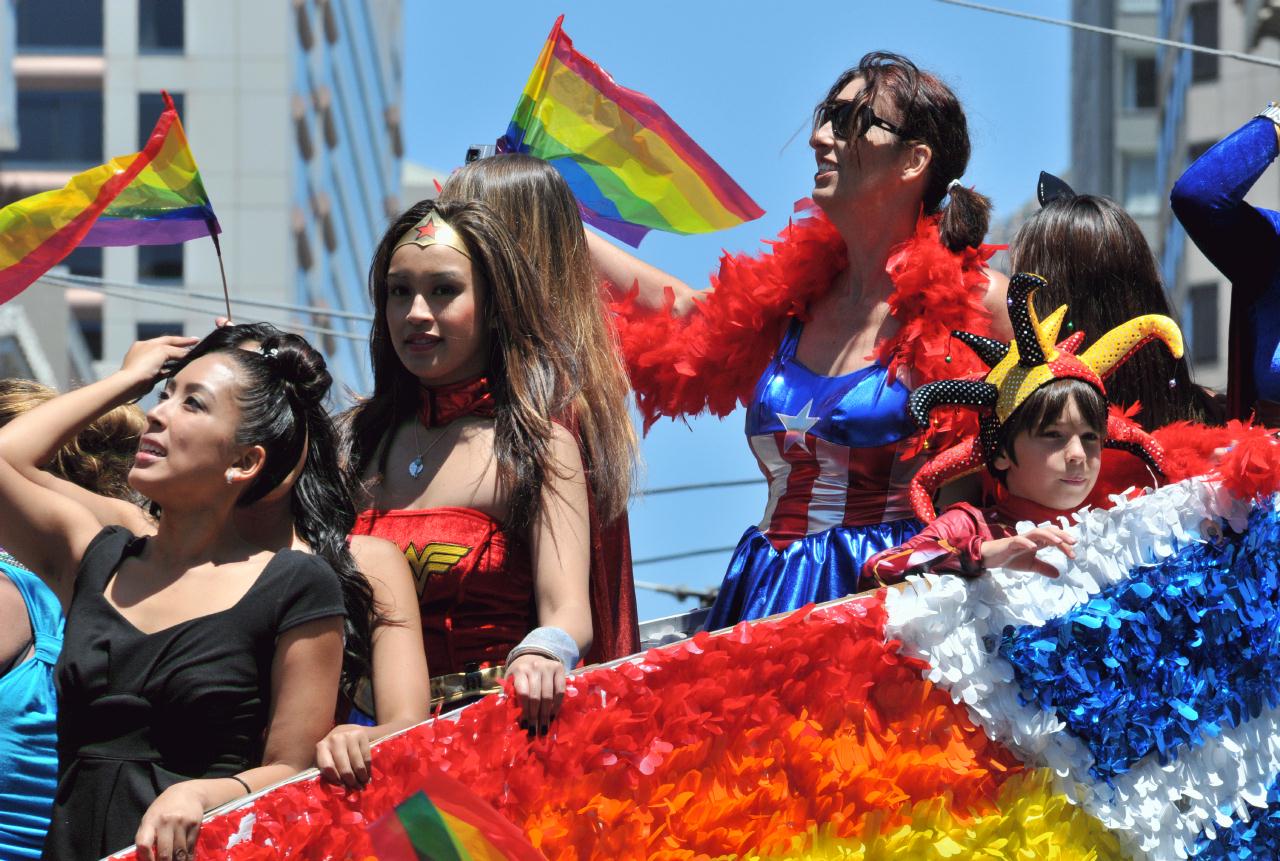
<point>1244,243</point>
<point>535,203</point>
<point>825,336</point>
<point>469,473</point>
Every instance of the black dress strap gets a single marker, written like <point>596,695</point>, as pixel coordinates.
<point>102,557</point>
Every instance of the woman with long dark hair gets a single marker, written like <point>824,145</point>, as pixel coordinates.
<point>196,667</point>
<point>536,205</point>
<point>382,635</point>
<point>824,337</point>
<point>1097,262</point>
<point>468,470</point>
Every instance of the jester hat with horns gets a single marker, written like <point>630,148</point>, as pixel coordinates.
<point>1034,359</point>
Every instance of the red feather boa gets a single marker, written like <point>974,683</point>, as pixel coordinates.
<point>710,359</point>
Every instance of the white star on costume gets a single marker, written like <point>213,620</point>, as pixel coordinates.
<point>796,427</point>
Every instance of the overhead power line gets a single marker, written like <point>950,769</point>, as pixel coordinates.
<point>314,310</point>
<point>1121,34</point>
<point>705,485</point>
<point>56,281</point>
<point>688,554</point>
<point>680,593</point>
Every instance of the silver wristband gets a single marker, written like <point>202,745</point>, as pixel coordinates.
<point>1271,112</point>
<point>549,642</point>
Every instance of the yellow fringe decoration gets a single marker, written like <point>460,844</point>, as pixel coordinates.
<point>1030,823</point>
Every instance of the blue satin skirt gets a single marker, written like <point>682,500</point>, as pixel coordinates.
<point>763,580</point>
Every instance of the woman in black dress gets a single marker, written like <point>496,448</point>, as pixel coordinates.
<point>196,667</point>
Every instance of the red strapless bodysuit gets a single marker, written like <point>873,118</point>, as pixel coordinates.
<point>474,580</point>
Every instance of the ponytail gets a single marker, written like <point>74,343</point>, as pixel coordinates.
<point>965,218</point>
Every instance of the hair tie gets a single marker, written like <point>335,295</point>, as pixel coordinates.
<point>270,353</point>
<point>953,184</point>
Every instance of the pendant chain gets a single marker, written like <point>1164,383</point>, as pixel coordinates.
<point>416,466</point>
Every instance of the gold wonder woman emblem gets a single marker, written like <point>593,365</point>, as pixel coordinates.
<point>433,560</point>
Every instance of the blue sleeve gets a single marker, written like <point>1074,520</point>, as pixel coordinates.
<point>1241,241</point>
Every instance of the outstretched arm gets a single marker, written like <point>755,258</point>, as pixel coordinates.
<point>1208,199</point>
<point>623,271</point>
<point>33,439</point>
<point>401,685</point>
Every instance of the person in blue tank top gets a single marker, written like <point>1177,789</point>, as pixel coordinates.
<point>31,624</point>
<point>1243,241</point>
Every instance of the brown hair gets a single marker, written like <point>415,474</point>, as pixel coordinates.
<point>929,113</point>
<point>535,203</point>
<point>1045,406</point>
<point>100,456</point>
<point>531,367</point>
<point>1099,265</point>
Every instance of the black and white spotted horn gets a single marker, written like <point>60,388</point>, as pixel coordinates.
<point>970,393</point>
<point>989,350</point>
<point>1021,315</point>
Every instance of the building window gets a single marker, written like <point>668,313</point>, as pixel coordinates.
<point>88,318</point>
<point>59,129</point>
<point>84,261</point>
<point>1141,196</point>
<point>65,26</point>
<point>1139,82</point>
<point>1204,32</point>
<point>150,107</point>
<point>1202,315</point>
<point>160,264</point>
<point>148,330</point>
<point>160,27</point>
<point>1195,150</point>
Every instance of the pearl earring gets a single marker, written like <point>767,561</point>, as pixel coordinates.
<point>230,476</point>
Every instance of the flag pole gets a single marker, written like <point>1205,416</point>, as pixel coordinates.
<point>217,247</point>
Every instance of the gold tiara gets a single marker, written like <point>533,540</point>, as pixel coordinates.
<point>433,230</point>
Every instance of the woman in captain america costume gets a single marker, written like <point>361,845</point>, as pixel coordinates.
<point>825,336</point>
<point>1244,243</point>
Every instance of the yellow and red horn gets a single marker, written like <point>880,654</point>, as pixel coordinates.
<point>1114,348</point>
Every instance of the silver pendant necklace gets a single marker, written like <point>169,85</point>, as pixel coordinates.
<point>416,467</point>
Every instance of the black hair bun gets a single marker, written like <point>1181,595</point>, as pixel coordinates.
<point>299,367</point>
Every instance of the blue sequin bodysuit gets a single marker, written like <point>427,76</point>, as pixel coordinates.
<point>1243,242</point>
<point>829,447</point>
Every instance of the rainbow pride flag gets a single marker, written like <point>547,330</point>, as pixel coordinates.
<point>631,167</point>
<point>152,197</point>
<point>450,824</point>
<point>166,203</point>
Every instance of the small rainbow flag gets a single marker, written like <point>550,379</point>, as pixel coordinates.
<point>630,166</point>
<point>445,821</point>
<point>166,203</point>
<point>153,197</point>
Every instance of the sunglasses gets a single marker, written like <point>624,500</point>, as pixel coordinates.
<point>845,117</point>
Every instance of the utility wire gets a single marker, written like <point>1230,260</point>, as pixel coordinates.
<point>706,485</point>
<point>91,281</point>
<point>680,593</point>
<point>152,300</point>
<point>688,554</point>
<point>1122,34</point>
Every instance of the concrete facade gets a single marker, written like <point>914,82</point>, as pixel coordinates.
<point>292,113</point>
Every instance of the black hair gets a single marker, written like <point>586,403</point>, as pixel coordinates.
<point>931,114</point>
<point>283,385</point>
<point>1045,406</point>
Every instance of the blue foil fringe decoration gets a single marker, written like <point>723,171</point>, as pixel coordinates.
<point>1167,657</point>
<point>1255,840</point>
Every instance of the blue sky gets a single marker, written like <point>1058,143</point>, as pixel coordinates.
<point>741,78</point>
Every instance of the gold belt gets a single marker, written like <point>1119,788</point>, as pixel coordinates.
<point>455,687</point>
<point>446,690</point>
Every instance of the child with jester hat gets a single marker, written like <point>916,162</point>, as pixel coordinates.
<point>1043,427</point>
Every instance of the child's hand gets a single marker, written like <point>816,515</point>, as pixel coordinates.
<point>1019,551</point>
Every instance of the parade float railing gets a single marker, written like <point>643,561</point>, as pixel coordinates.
<point>1127,709</point>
